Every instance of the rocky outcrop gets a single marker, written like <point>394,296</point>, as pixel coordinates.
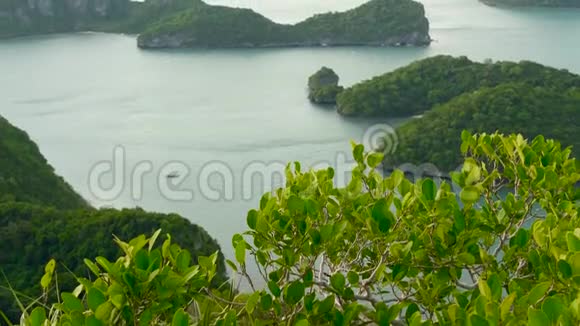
<point>323,87</point>
<point>375,23</point>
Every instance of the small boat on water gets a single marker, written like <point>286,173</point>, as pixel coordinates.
<point>172,175</point>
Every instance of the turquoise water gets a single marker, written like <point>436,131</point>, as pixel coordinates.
<point>80,95</point>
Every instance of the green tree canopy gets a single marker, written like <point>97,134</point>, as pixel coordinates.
<point>418,87</point>
<point>502,248</point>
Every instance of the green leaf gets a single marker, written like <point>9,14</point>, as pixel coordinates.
<point>429,189</point>
<point>477,320</point>
<point>553,307</point>
<point>326,305</point>
<point>252,219</point>
<point>484,289</point>
<point>358,152</point>
<point>302,322</point>
<point>241,252</point>
<point>92,267</point>
<point>232,265</point>
<point>180,318</point>
<point>352,277</point>
<point>296,205</point>
<point>573,242</point>
<point>294,293</point>
<point>382,214</point>
<point>375,159</point>
<point>274,288</point>
<point>565,269</point>
<point>252,301</point>
<point>466,258</point>
<point>37,316</point>
<point>506,306</point>
<point>153,239</point>
<point>337,281</point>
<point>71,303</point>
<point>520,239</point>
<point>537,318</point>
<point>103,313</point>
<point>469,195</point>
<point>95,298</point>
<point>538,292</point>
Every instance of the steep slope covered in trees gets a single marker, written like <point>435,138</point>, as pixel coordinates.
<point>510,108</point>
<point>26,176</point>
<point>32,235</point>
<point>416,88</point>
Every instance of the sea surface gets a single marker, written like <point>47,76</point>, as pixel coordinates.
<point>208,119</point>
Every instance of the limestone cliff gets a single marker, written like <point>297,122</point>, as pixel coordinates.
<point>375,23</point>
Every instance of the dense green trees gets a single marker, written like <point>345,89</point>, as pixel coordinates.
<point>435,137</point>
<point>41,217</point>
<point>503,249</point>
<point>32,235</point>
<point>26,176</point>
<point>416,88</point>
<point>377,22</point>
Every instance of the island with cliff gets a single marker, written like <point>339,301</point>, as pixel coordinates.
<point>195,24</point>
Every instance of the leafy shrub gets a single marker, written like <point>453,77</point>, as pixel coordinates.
<point>503,248</point>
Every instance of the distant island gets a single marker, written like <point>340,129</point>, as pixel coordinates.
<point>536,3</point>
<point>193,23</point>
<point>445,95</point>
<point>323,86</point>
<point>418,87</point>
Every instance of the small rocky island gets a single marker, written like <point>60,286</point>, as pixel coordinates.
<point>323,86</point>
<point>534,3</point>
<point>375,23</point>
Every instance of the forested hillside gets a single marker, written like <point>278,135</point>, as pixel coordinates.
<point>416,88</point>
<point>510,108</point>
<point>26,176</point>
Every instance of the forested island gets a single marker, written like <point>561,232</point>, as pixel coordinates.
<point>445,95</point>
<point>375,23</point>
<point>534,3</point>
<point>41,217</point>
<point>416,88</point>
<point>323,86</point>
<point>435,137</point>
<point>193,23</point>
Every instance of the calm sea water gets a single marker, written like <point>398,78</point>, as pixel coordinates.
<point>80,95</point>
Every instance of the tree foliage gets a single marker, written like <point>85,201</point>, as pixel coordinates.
<point>420,86</point>
<point>501,245</point>
<point>32,235</point>
<point>377,22</point>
